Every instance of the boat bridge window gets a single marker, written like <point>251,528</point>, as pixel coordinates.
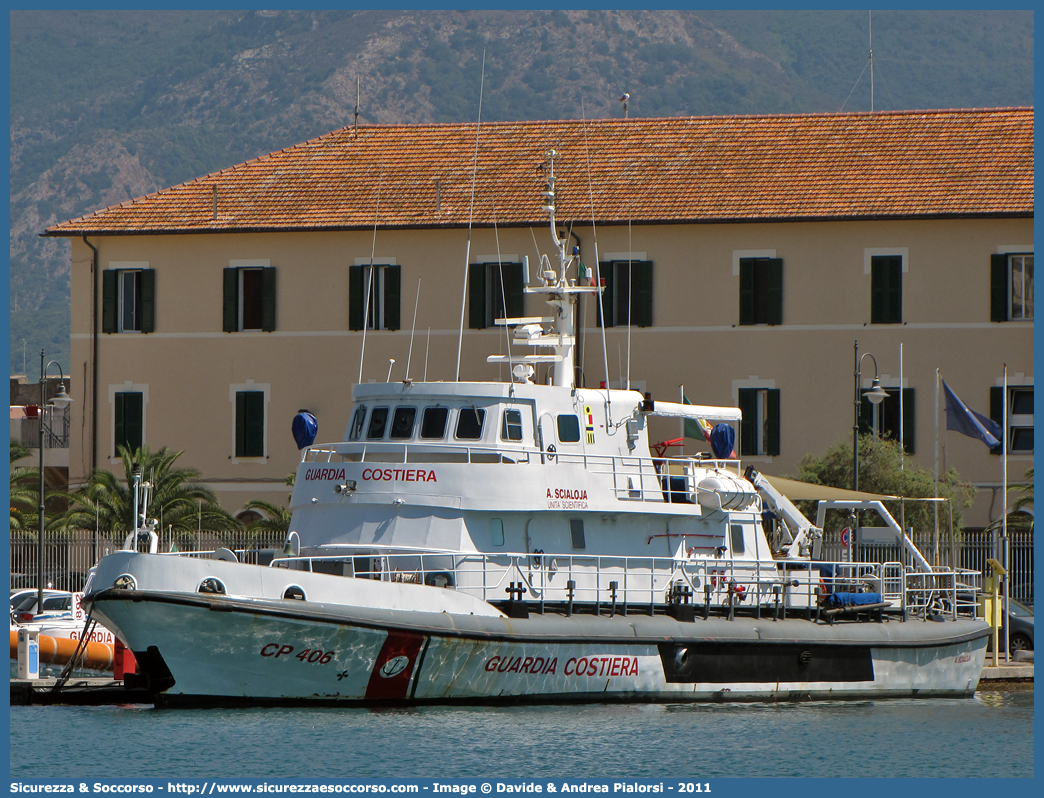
<point>568,428</point>
<point>469,423</point>
<point>378,421</point>
<point>576,532</point>
<point>357,423</point>
<point>433,422</point>
<point>496,531</point>
<point>402,423</point>
<point>511,430</point>
<point>737,539</point>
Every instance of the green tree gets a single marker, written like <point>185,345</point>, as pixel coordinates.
<point>883,470</point>
<point>177,500</point>
<point>25,490</point>
<point>1019,520</point>
<point>275,520</point>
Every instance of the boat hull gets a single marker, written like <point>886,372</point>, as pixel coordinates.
<point>219,650</point>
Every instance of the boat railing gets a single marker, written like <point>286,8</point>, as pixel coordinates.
<point>654,584</point>
<point>634,477</point>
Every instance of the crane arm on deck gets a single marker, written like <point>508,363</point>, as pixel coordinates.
<point>806,539</point>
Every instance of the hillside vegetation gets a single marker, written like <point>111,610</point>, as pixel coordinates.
<point>110,105</point>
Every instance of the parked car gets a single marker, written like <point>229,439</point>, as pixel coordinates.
<point>1020,620</point>
<point>23,604</point>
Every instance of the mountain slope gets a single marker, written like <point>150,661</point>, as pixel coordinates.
<point>109,105</point>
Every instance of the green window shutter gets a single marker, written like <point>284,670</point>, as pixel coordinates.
<point>772,271</point>
<point>255,424</point>
<point>109,294</point>
<point>250,423</point>
<point>148,300</point>
<point>119,432</point>
<point>877,292</point>
<point>645,293</point>
<point>607,272</point>
<point>998,287</point>
<point>356,295</point>
<point>997,411</point>
<point>392,297</point>
<point>746,291</point>
<point>230,300</point>
<point>748,405</point>
<point>268,299</point>
<point>132,420</point>
<point>240,423</point>
<point>772,421</point>
<point>886,289</point>
<point>477,296</point>
<point>909,435</point>
<point>514,290</point>
<point>128,426</point>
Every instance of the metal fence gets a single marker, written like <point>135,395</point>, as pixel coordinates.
<point>55,425</point>
<point>69,555</point>
<point>971,550</point>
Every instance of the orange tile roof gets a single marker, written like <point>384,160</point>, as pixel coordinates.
<point>907,164</point>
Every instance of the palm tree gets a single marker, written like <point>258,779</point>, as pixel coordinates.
<point>177,500</point>
<point>276,519</point>
<point>25,490</point>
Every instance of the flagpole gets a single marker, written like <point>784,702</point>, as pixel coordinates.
<point>681,421</point>
<point>902,427</point>
<point>935,504</point>
<point>1004,507</point>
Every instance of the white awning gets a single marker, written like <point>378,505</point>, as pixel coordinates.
<point>705,412</point>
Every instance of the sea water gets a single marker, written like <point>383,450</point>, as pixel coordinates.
<point>989,735</point>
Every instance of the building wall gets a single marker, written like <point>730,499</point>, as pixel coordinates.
<point>188,367</point>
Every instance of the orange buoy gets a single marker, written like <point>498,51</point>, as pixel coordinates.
<point>59,650</point>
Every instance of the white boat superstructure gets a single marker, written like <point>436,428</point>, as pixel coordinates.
<point>522,541</point>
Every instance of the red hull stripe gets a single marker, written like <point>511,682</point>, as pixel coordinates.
<point>391,674</point>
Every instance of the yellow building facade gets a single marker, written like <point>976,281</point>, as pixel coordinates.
<point>749,253</point>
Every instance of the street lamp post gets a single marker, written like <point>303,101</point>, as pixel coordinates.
<point>61,400</point>
<point>876,394</point>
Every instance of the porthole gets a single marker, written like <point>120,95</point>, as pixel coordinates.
<point>294,592</point>
<point>211,585</point>
<point>125,582</point>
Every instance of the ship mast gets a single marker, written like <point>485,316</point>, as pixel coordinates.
<point>561,291</point>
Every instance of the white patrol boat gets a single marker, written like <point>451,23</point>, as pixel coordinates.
<point>487,542</point>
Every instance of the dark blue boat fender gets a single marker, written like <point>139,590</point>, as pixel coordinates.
<point>304,428</point>
<point>836,600</point>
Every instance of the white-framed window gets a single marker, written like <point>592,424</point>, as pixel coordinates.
<point>249,296</point>
<point>1011,283</point>
<point>128,403</point>
<point>1020,414</point>
<point>128,297</point>
<point>886,267</point>
<point>384,281</point>
<point>249,310</point>
<point>130,300</point>
<point>1020,287</point>
<point>250,421</point>
<point>1020,420</point>
<point>759,430</point>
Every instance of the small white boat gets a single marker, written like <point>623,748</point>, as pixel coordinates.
<point>504,542</point>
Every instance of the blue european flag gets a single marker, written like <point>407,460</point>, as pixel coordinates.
<point>962,419</point>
